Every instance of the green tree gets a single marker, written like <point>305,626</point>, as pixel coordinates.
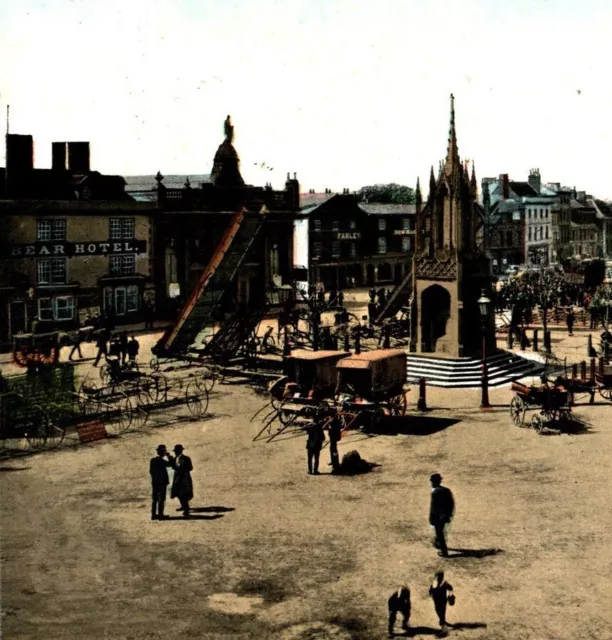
<point>388,194</point>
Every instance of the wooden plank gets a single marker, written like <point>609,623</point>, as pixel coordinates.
<point>92,431</point>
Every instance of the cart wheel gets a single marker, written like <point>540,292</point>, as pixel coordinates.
<point>49,356</point>
<point>86,393</point>
<point>156,387</point>
<point>154,364</point>
<point>196,400</point>
<point>606,393</point>
<point>56,428</point>
<point>125,414</point>
<point>537,423</point>
<point>140,413</point>
<point>549,415</point>
<point>205,380</point>
<point>517,410</point>
<point>398,405</point>
<point>36,421</point>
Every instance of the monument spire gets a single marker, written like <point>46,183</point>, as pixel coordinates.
<point>452,154</point>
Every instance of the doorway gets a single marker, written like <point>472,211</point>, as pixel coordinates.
<point>18,318</point>
<point>435,312</point>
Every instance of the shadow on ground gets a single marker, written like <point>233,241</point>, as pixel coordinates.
<point>416,425</point>
<point>473,553</point>
<point>211,509</point>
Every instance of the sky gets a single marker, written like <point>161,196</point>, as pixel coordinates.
<point>345,93</point>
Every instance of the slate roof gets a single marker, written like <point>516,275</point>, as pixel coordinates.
<point>377,209</point>
<point>523,189</point>
<point>313,200</point>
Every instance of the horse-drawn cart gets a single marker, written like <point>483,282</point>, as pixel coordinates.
<point>553,403</point>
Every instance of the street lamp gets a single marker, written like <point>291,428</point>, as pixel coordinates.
<point>484,305</point>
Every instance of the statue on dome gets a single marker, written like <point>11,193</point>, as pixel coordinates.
<point>229,130</point>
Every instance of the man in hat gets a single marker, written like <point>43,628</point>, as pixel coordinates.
<point>158,468</point>
<point>182,486</point>
<point>399,602</point>
<point>441,511</point>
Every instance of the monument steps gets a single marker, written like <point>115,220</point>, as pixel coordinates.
<point>503,368</point>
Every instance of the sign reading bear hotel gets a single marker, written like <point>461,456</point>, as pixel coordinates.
<point>71,249</point>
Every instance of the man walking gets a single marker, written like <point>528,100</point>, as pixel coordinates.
<point>158,468</point>
<point>77,338</point>
<point>335,434</point>
<point>182,485</point>
<point>399,602</point>
<point>441,592</point>
<point>441,511</point>
<point>101,343</point>
<point>314,444</point>
<point>570,321</point>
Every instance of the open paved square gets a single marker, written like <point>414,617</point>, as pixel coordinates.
<point>272,552</point>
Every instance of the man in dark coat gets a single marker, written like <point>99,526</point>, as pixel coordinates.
<point>182,486</point>
<point>441,511</point>
<point>314,444</point>
<point>101,343</point>
<point>399,602</point>
<point>123,346</point>
<point>158,468</point>
<point>570,322</point>
<point>441,592</point>
<point>335,434</point>
<point>77,338</point>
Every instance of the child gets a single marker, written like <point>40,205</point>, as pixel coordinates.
<point>399,602</point>
<point>441,592</point>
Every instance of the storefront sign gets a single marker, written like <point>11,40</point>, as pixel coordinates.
<point>402,232</point>
<point>72,249</point>
<point>348,236</point>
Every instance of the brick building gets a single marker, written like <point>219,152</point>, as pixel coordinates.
<point>71,242</point>
<point>352,241</point>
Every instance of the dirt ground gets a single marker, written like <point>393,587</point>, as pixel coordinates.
<point>272,552</point>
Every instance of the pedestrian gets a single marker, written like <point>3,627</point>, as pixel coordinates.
<point>101,344</point>
<point>340,298</point>
<point>441,512</point>
<point>372,294</point>
<point>114,349</point>
<point>77,338</point>
<point>314,444</point>
<point>441,592</point>
<point>335,434</point>
<point>570,321</point>
<point>133,347</point>
<point>399,602</point>
<point>382,296</point>
<point>182,485</point>
<point>158,468</point>
<point>123,346</point>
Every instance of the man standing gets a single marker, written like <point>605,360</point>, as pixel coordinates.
<point>335,434</point>
<point>158,468</point>
<point>570,321</point>
<point>123,346</point>
<point>441,511</point>
<point>441,592</point>
<point>182,485</point>
<point>399,602</point>
<point>314,444</point>
<point>133,348</point>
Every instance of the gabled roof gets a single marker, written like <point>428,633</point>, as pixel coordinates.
<point>523,189</point>
<point>311,200</point>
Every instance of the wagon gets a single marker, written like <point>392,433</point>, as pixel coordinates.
<point>603,381</point>
<point>36,348</point>
<point>553,403</point>
<point>373,382</point>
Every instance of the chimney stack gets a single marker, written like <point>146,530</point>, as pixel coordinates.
<point>504,185</point>
<point>78,157</point>
<point>534,180</point>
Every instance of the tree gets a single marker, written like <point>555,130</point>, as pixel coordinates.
<point>388,194</point>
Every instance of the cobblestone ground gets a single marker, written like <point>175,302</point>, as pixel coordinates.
<point>275,553</point>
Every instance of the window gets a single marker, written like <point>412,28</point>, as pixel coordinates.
<point>124,265</point>
<point>59,308</point>
<point>336,249</point>
<point>352,224</point>
<point>382,244</point>
<point>529,213</point>
<point>52,271</point>
<point>318,249</point>
<point>353,250</point>
<point>546,213</point>
<point>547,233</point>
<point>336,225</point>
<point>405,244</point>
<point>382,224</point>
<point>122,299</point>
<point>509,238</point>
<point>121,228</point>
<point>530,234</point>
<point>317,225</point>
<point>50,230</point>
<point>406,224</point>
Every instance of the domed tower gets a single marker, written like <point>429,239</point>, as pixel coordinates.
<point>226,165</point>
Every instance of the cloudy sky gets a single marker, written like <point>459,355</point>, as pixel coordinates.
<point>343,92</point>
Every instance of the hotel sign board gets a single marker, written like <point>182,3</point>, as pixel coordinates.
<point>72,249</point>
<point>348,236</point>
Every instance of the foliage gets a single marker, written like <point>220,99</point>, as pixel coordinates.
<point>388,194</point>
<point>594,273</point>
<point>602,297</point>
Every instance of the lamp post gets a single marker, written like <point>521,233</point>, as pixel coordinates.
<point>484,305</point>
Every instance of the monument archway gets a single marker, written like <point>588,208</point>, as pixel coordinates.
<point>435,312</point>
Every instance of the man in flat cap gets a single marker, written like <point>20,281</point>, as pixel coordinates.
<point>182,486</point>
<point>441,511</point>
<point>399,602</point>
<point>158,468</point>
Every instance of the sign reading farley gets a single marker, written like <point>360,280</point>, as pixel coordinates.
<point>72,249</point>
